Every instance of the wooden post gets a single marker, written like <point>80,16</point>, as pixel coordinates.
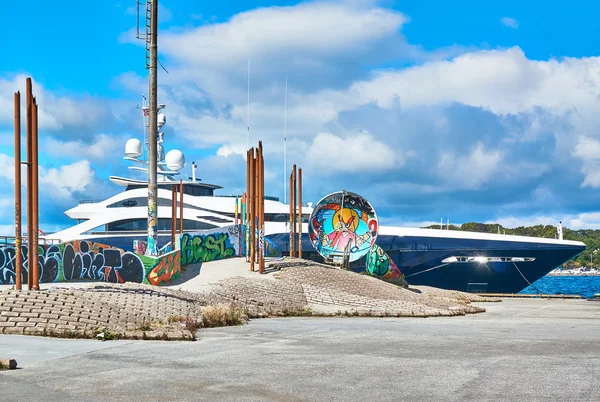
<point>173,214</point>
<point>18,255</point>
<point>29,186</point>
<point>261,240</point>
<point>181,206</point>
<point>299,213</point>
<point>34,194</point>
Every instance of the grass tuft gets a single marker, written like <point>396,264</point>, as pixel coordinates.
<point>221,315</point>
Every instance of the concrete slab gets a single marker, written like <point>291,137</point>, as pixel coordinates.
<point>201,277</point>
<point>29,350</point>
<point>545,350</point>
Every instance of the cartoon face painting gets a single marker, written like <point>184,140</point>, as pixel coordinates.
<point>343,223</point>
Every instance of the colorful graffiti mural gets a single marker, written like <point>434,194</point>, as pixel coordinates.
<point>271,249</point>
<point>343,223</point>
<point>86,260</point>
<point>211,245</point>
<point>94,261</point>
<point>380,265</point>
<point>164,269</point>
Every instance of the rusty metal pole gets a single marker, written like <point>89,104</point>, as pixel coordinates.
<point>261,203</point>
<point>295,208</point>
<point>173,214</point>
<point>291,215</point>
<point>34,195</point>
<point>18,255</point>
<point>257,206</point>
<point>247,215</point>
<point>180,206</point>
<point>252,208</point>
<point>29,185</point>
<point>299,213</point>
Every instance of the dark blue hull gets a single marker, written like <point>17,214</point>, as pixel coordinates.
<point>420,259</point>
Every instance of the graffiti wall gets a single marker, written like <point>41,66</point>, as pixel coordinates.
<point>86,260</point>
<point>343,223</point>
<point>163,269</point>
<point>380,265</point>
<point>271,249</point>
<point>211,245</point>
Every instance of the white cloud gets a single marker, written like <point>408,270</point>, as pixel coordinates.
<point>105,146</point>
<point>469,170</point>
<point>78,115</point>
<point>329,154</point>
<point>62,182</point>
<point>502,81</point>
<point>316,28</point>
<point>509,22</point>
<point>588,150</point>
<point>57,183</point>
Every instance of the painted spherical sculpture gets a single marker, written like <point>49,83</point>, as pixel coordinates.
<point>343,223</point>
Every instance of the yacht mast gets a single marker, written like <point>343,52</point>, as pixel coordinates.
<point>152,133</point>
<point>285,142</point>
<point>145,143</point>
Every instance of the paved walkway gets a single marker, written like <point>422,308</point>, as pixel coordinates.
<point>519,350</point>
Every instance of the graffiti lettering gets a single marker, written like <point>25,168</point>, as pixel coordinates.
<point>167,269</point>
<point>203,248</point>
<point>74,261</point>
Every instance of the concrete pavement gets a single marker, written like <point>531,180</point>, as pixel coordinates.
<point>546,350</point>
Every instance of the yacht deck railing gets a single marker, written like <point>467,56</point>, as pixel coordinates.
<point>10,241</point>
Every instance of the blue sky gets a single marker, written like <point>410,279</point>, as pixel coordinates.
<point>467,110</point>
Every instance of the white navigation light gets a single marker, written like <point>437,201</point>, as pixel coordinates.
<point>481,260</point>
<point>175,159</point>
<point>133,148</point>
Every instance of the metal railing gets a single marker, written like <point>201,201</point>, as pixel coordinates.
<point>10,241</point>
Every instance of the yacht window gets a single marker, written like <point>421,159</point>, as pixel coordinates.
<point>163,224</point>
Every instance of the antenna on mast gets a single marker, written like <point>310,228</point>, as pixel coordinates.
<point>248,119</point>
<point>285,143</point>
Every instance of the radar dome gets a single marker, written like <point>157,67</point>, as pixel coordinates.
<point>133,148</point>
<point>175,159</point>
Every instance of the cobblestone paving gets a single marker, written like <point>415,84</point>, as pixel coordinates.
<point>147,312</point>
<point>131,310</point>
<point>330,291</point>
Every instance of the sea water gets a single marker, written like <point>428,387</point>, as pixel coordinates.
<point>586,286</point>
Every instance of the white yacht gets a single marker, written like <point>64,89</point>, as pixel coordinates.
<point>125,214</point>
<point>467,261</point>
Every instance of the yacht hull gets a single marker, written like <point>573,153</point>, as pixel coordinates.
<point>421,260</point>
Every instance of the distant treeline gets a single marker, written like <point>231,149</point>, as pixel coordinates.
<point>590,237</point>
